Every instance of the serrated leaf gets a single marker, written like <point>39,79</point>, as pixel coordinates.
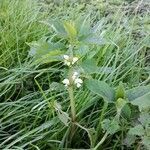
<point>105,124</point>
<point>129,140</point>
<point>144,118</point>
<point>82,50</point>
<point>89,66</point>
<point>140,97</point>
<point>126,111</point>
<point>58,27</point>
<point>146,142</point>
<point>137,130</point>
<point>44,51</point>
<point>102,89</point>
<point>70,29</point>
<point>111,126</point>
<point>137,92</point>
<point>83,25</point>
<point>142,102</point>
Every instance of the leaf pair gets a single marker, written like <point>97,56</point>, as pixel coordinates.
<point>139,96</point>
<point>45,51</point>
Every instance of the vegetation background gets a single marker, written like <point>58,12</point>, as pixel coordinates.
<point>27,91</point>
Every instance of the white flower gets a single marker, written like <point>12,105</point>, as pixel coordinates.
<point>67,63</point>
<point>66,57</point>
<point>74,60</point>
<point>75,75</point>
<point>66,82</point>
<point>78,82</point>
<point>68,60</point>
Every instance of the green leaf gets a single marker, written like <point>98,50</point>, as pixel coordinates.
<point>94,40</point>
<point>58,27</point>
<point>89,66</point>
<point>142,102</point>
<point>111,126</point>
<point>82,50</point>
<point>146,142</point>
<point>129,140</point>
<point>70,29</point>
<point>83,26</point>
<point>137,92</point>
<point>144,118</point>
<point>140,97</point>
<point>120,103</point>
<point>120,92</point>
<point>126,111</point>
<point>137,130</point>
<point>102,89</point>
<point>44,51</point>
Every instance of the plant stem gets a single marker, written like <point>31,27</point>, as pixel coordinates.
<point>101,141</point>
<point>72,103</point>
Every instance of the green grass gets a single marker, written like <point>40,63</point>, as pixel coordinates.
<point>28,119</point>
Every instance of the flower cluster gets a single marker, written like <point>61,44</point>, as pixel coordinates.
<point>69,61</point>
<point>75,79</point>
<point>75,76</point>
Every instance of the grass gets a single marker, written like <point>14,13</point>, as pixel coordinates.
<point>28,119</point>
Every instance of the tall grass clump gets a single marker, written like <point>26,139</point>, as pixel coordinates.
<point>74,77</point>
<point>19,23</point>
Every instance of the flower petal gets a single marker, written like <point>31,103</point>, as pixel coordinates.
<point>78,85</point>
<point>78,80</point>
<point>66,82</point>
<point>75,73</point>
<point>75,59</point>
<point>67,63</point>
<point>66,57</point>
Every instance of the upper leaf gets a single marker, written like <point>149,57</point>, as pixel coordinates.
<point>120,92</point>
<point>89,66</point>
<point>70,29</point>
<point>102,89</point>
<point>44,51</point>
<point>142,102</point>
<point>140,97</point>
<point>137,92</point>
<point>58,27</point>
